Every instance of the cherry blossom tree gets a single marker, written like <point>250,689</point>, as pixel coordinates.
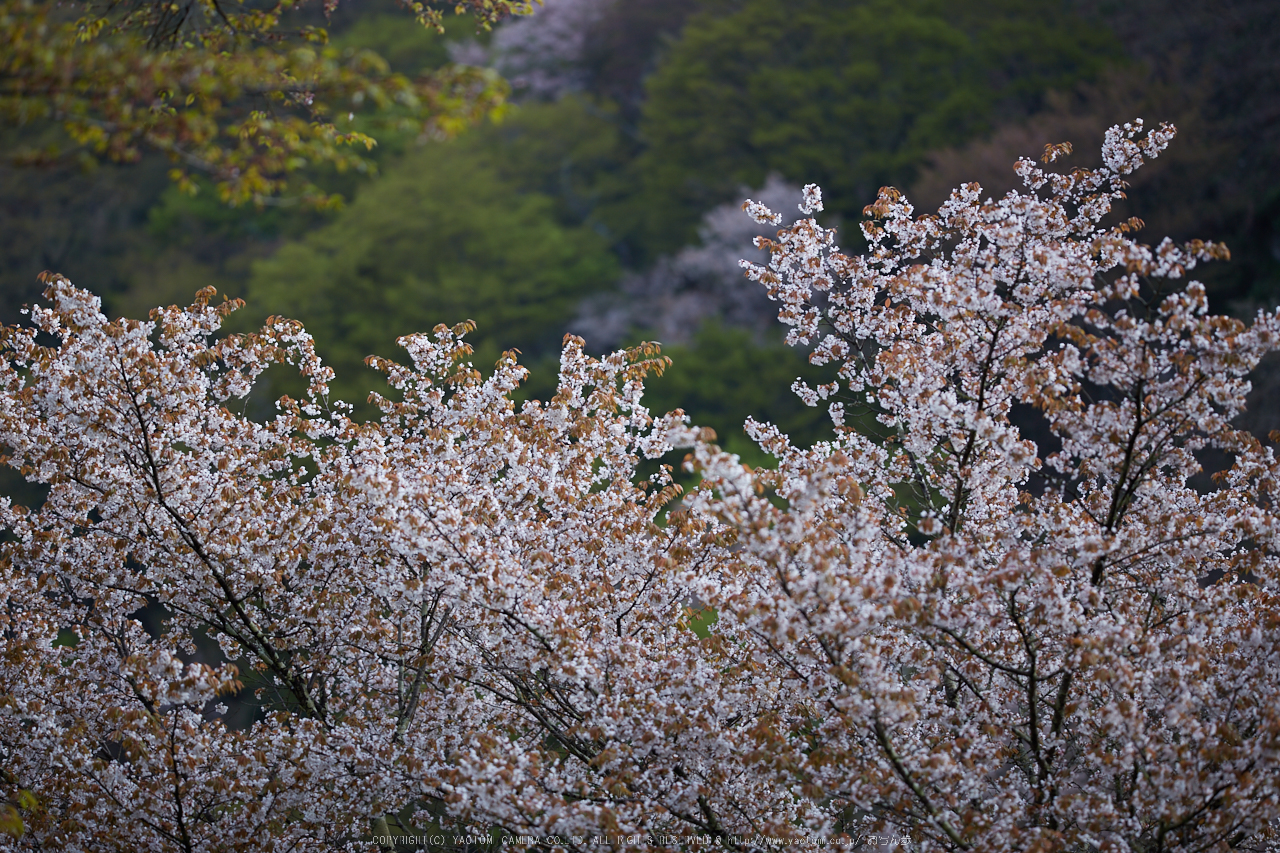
<point>994,612</point>
<point>425,601</point>
<point>1001,643</point>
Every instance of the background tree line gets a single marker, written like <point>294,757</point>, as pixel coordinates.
<point>604,200</point>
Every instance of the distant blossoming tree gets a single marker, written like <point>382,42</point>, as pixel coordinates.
<point>542,54</point>
<point>996,616</point>
<point>680,292</point>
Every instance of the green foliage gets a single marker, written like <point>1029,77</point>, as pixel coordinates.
<point>725,376</point>
<point>850,94</point>
<point>444,236</point>
<point>11,821</point>
<point>247,95</point>
<point>574,151</point>
<point>83,224</point>
<point>178,214</point>
<point>19,800</point>
<point>407,49</point>
<point>188,242</point>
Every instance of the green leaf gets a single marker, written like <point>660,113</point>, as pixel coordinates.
<point>11,821</point>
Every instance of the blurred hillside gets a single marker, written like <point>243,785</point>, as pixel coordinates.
<point>605,203</point>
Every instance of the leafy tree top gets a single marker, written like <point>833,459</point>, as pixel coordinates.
<point>851,94</point>
<point>248,94</point>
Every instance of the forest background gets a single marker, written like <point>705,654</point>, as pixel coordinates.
<point>603,200</point>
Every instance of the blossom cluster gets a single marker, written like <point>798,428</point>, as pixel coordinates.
<point>1000,610</point>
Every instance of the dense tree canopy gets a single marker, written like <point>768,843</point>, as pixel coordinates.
<point>851,93</point>
<point>579,144</point>
<point>939,630</point>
